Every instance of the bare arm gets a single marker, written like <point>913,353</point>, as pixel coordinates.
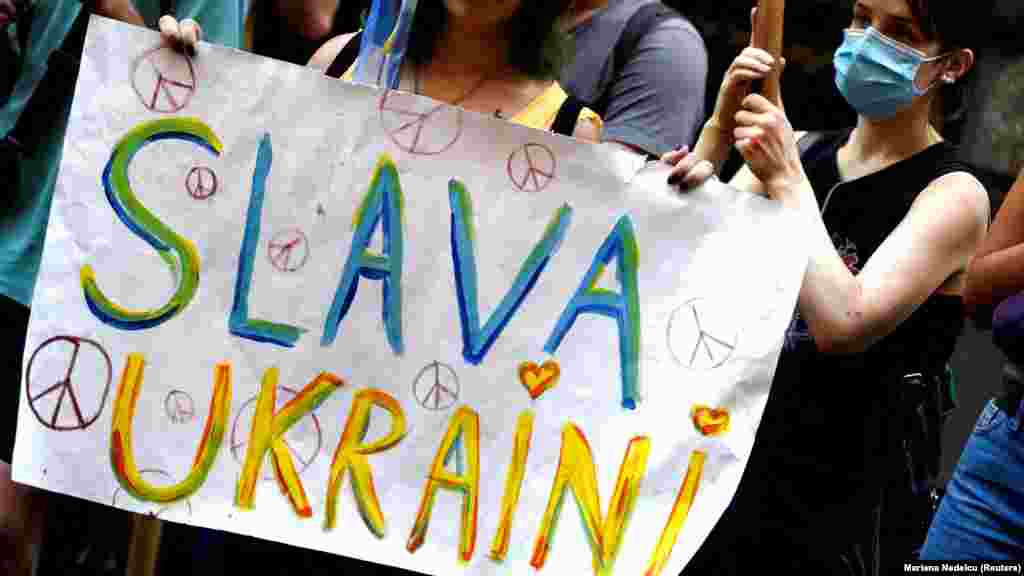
<point>936,239</point>
<point>997,272</point>
<point>326,54</point>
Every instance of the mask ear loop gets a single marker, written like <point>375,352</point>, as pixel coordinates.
<point>943,77</point>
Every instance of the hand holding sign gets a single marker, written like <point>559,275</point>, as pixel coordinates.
<point>185,34</point>
<point>767,142</point>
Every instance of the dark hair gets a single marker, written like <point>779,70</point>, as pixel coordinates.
<point>538,48</point>
<point>954,27</point>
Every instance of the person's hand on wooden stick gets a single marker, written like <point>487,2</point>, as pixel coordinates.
<point>692,168</point>
<point>765,139</point>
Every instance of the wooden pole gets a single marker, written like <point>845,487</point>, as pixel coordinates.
<point>144,546</point>
<point>768,37</point>
<point>716,137</point>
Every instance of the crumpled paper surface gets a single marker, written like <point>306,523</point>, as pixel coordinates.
<point>731,259</point>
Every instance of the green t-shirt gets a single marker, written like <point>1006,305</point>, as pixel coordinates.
<point>23,228</point>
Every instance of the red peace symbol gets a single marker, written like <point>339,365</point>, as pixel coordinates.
<point>532,167</point>
<point>288,250</point>
<point>201,182</point>
<point>164,79</point>
<point>39,393</point>
<point>306,454</point>
<point>418,126</point>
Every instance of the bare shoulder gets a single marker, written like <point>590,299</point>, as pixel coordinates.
<point>966,188</point>
<point>959,188</point>
<point>958,200</point>
<point>326,54</point>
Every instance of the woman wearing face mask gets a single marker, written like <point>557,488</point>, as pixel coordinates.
<point>498,58</point>
<point>891,221</point>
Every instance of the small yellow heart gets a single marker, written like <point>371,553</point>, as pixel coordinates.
<point>710,422</point>
<point>538,379</point>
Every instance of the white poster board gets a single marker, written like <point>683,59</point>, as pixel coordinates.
<point>255,275</point>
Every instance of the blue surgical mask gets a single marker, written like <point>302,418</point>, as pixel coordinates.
<point>876,73</point>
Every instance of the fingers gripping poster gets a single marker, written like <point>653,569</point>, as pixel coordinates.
<point>359,321</point>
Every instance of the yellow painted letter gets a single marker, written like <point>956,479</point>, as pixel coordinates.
<point>461,442</point>
<point>265,435</point>
<point>123,456</point>
<point>576,471</point>
<point>351,455</point>
<point>513,484</point>
<point>679,511</point>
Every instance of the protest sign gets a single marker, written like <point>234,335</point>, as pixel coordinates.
<point>359,321</point>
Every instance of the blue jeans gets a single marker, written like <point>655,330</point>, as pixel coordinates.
<point>981,517</point>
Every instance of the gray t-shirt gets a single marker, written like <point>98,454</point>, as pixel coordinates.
<point>657,100</point>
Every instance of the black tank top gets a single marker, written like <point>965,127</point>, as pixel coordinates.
<point>828,430</point>
<point>829,413</point>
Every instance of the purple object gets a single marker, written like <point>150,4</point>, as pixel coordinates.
<point>1008,327</point>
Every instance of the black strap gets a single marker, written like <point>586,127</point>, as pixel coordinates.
<point>638,25</point>
<point>568,114</point>
<point>25,26</point>
<point>808,140</point>
<point>346,57</point>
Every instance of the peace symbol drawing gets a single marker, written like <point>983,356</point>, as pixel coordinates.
<point>288,250</point>
<point>532,167</point>
<point>67,382</point>
<point>156,476</point>
<point>436,387</point>
<point>417,126</point>
<point>164,79</point>
<point>304,439</point>
<point>201,182</point>
<point>180,407</point>
<point>701,334</point>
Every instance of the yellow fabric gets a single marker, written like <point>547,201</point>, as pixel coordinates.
<point>347,76</point>
<point>541,112</point>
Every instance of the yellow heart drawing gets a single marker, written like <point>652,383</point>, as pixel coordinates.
<point>538,379</point>
<point>710,422</point>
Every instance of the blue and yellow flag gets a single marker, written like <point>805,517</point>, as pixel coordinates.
<point>385,38</point>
